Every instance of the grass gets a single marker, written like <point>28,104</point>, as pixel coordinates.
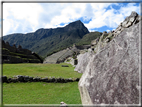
<point>40,92</point>
<point>40,70</point>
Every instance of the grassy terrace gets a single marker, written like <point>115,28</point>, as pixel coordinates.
<point>40,70</point>
<point>40,92</point>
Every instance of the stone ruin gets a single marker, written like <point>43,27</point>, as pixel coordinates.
<point>12,54</point>
<point>111,75</point>
<point>63,55</point>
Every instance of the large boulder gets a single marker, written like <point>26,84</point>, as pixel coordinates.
<point>112,75</point>
<point>83,60</point>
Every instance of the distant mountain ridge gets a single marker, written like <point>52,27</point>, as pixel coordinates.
<point>47,41</point>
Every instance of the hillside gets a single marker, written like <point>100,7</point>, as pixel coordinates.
<point>86,40</point>
<point>47,41</point>
<point>13,54</point>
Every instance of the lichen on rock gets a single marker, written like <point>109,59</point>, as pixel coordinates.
<point>111,76</point>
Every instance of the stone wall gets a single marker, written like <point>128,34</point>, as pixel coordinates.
<point>20,78</point>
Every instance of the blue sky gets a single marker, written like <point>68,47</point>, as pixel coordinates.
<point>28,17</point>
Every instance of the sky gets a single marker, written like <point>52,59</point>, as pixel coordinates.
<point>29,17</point>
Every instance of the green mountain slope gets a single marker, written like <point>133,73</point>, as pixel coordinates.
<point>86,40</point>
<point>47,41</point>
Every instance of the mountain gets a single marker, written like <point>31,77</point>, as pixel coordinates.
<point>48,41</point>
<point>86,40</point>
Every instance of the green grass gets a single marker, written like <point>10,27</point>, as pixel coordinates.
<point>40,70</point>
<point>41,93</point>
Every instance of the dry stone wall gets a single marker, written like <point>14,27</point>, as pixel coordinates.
<point>20,78</point>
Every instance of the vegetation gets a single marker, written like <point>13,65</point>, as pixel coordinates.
<point>40,70</point>
<point>86,40</point>
<point>40,92</point>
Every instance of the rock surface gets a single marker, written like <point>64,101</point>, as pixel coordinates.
<point>112,75</point>
<point>134,18</point>
<point>83,60</point>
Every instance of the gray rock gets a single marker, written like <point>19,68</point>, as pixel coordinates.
<point>71,61</point>
<point>44,79</point>
<point>4,79</point>
<point>77,79</point>
<point>112,75</point>
<point>9,80</point>
<point>83,60</point>
<point>63,104</point>
<point>129,21</point>
<point>26,78</point>
<point>20,78</point>
<point>65,66</point>
<point>14,80</point>
<point>30,79</point>
<point>58,80</point>
<point>36,79</point>
<point>70,80</point>
<point>52,79</point>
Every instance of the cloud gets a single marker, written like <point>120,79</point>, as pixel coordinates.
<point>70,12</point>
<point>111,17</point>
<point>17,15</point>
<point>28,17</point>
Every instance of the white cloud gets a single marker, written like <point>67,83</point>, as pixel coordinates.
<point>108,30</point>
<point>69,13</point>
<point>111,17</point>
<point>126,10</point>
<point>15,13</point>
<point>28,17</point>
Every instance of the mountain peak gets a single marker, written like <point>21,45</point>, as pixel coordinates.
<point>76,25</point>
<point>78,22</point>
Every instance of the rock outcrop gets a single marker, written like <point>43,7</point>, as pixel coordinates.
<point>111,75</point>
<point>134,18</point>
<point>98,44</point>
<point>83,60</point>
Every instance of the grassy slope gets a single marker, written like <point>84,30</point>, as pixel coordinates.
<point>40,92</point>
<point>40,70</point>
<point>86,40</point>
